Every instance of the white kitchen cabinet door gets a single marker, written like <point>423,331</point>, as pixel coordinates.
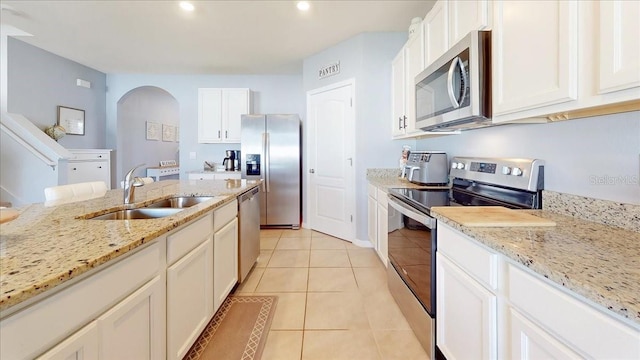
<point>134,329</point>
<point>398,89</point>
<point>236,104</point>
<point>466,315</point>
<point>219,113</point>
<point>619,45</point>
<point>189,299</point>
<point>372,221</point>
<point>383,234</point>
<point>414,62</point>
<point>209,115</point>
<point>83,345</point>
<point>465,16</point>
<point>225,262</point>
<point>436,34</point>
<point>530,342</point>
<point>534,55</point>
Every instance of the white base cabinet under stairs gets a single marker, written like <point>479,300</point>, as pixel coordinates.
<point>151,304</point>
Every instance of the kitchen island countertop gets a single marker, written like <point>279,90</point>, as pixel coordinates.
<point>599,262</point>
<point>47,246</point>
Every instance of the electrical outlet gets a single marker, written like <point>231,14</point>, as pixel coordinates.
<point>192,155</point>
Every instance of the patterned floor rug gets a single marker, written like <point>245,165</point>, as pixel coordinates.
<point>238,331</point>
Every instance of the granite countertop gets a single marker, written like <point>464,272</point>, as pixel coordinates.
<point>49,245</point>
<point>597,261</point>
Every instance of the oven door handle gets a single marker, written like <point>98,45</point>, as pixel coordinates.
<point>427,221</point>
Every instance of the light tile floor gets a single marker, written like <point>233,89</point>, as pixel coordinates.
<point>333,301</point>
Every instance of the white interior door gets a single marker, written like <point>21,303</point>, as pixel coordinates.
<point>330,165</point>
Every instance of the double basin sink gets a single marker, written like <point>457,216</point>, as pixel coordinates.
<point>155,210</point>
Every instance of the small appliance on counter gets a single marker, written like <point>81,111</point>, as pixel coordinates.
<point>232,160</point>
<point>427,168</point>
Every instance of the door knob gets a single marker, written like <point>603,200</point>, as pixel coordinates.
<point>312,171</point>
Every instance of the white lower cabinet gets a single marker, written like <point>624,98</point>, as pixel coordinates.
<point>377,227</point>
<point>382,230</point>
<point>83,345</point>
<point>529,341</point>
<point>466,319</point>
<point>151,304</point>
<point>211,175</point>
<point>189,298</point>
<point>225,260</point>
<point>537,319</point>
<point>129,330</point>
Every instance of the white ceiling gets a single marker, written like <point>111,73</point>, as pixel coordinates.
<point>219,37</point>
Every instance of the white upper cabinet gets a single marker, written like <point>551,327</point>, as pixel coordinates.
<point>398,95</point>
<point>465,16</point>
<point>564,59</point>
<point>436,39</point>
<point>219,113</point>
<point>407,64</point>
<point>619,45</point>
<point>535,54</point>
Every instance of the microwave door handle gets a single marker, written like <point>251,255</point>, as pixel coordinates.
<point>452,69</point>
<point>465,81</point>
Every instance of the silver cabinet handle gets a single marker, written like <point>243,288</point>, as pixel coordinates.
<point>400,123</point>
<point>219,135</point>
<point>350,161</point>
<point>312,171</point>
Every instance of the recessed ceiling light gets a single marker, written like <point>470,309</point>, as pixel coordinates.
<point>186,6</point>
<point>303,5</point>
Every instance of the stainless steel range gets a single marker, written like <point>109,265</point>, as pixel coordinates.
<point>512,183</point>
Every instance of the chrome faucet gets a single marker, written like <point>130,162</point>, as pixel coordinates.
<point>130,183</point>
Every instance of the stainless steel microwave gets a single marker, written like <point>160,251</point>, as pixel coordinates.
<point>454,93</point>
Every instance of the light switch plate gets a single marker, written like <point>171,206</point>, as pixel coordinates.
<point>192,155</point>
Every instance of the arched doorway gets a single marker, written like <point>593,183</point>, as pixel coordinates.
<point>136,109</point>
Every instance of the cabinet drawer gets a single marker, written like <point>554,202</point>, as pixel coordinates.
<point>187,239</point>
<point>383,200</point>
<point>23,335</point>
<point>90,156</point>
<point>587,329</point>
<point>474,259</point>
<point>372,190</point>
<point>222,216</point>
<point>201,176</point>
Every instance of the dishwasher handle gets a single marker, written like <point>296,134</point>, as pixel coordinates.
<point>249,194</point>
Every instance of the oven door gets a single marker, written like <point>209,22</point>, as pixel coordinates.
<point>412,250</point>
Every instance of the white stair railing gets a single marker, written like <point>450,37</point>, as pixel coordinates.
<point>33,139</point>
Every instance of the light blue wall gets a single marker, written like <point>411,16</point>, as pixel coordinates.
<point>596,157</point>
<point>37,82</point>
<point>270,94</point>
<point>366,58</point>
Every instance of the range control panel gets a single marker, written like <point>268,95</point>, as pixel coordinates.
<point>483,167</point>
<point>525,174</point>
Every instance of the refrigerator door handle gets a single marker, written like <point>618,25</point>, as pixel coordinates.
<point>265,142</point>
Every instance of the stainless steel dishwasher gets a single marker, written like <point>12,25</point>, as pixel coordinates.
<point>249,237</point>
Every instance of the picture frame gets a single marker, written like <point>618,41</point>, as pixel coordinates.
<point>72,120</point>
<point>153,131</point>
<point>168,132</point>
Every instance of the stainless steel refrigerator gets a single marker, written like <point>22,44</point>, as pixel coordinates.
<point>270,150</point>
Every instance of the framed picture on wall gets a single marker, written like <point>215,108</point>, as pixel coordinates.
<point>72,120</point>
<point>168,132</point>
<point>153,131</point>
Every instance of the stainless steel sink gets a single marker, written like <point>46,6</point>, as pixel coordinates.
<point>142,213</point>
<point>179,202</point>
